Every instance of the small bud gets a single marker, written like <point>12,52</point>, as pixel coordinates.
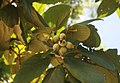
<point>62,36</point>
<point>69,45</point>
<point>62,50</point>
<point>56,47</point>
<point>62,42</point>
<point>46,36</point>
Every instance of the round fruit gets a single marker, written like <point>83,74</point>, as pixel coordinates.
<point>56,47</point>
<point>62,50</point>
<point>62,36</point>
<point>55,38</point>
<point>62,42</point>
<point>69,45</point>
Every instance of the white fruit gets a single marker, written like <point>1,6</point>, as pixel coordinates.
<point>55,38</point>
<point>62,36</point>
<point>62,50</point>
<point>62,42</point>
<point>56,47</point>
<point>69,45</point>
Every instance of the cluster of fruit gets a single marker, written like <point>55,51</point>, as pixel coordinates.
<point>60,44</point>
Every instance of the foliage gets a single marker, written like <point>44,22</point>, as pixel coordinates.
<point>38,46</point>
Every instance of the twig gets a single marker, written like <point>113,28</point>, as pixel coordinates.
<point>37,80</point>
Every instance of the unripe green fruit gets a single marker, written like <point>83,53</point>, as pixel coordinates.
<point>62,50</point>
<point>56,47</point>
<point>62,42</point>
<point>62,36</point>
<point>55,38</point>
<point>69,45</point>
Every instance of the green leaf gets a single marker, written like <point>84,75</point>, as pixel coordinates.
<point>84,72</point>
<point>42,20</point>
<point>9,56</point>
<point>94,38</point>
<point>97,0</point>
<point>72,79</point>
<point>36,21</point>
<point>57,16</point>
<point>1,1</point>
<point>1,53</point>
<point>106,8</point>
<point>24,27</point>
<point>4,45</point>
<point>32,68</point>
<point>56,75</point>
<point>9,14</point>
<point>89,21</point>
<point>4,67</point>
<point>99,58</point>
<point>78,32</point>
<point>27,6</point>
<point>39,7</point>
<point>118,12</point>
<point>37,46</point>
<point>50,1</point>
<point>112,55</point>
<point>110,77</point>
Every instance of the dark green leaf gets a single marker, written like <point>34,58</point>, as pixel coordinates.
<point>9,14</point>
<point>113,52</point>
<point>50,1</point>
<point>27,6</point>
<point>24,30</point>
<point>72,79</point>
<point>99,58</point>
<point>1,53</point>
<point>42,20</point>
<point>97,0</point>
<point>56,75</point>
<point>32,68</point>
<point>110,77</point>
<point>78,32</point>
<point>36,21</point>
<point>1,2</point>
<point>84,72</point>
<point>89,21</point>
<point>94,38</point>
<point>37,46</point>
<point>106,8</point>
<point>4,67</point>
<point>57,16</point>
<point>112,55</point>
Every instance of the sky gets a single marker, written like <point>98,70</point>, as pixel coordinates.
<point>109,31</point>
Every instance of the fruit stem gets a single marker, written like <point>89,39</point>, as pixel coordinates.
<point>74,51</point>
